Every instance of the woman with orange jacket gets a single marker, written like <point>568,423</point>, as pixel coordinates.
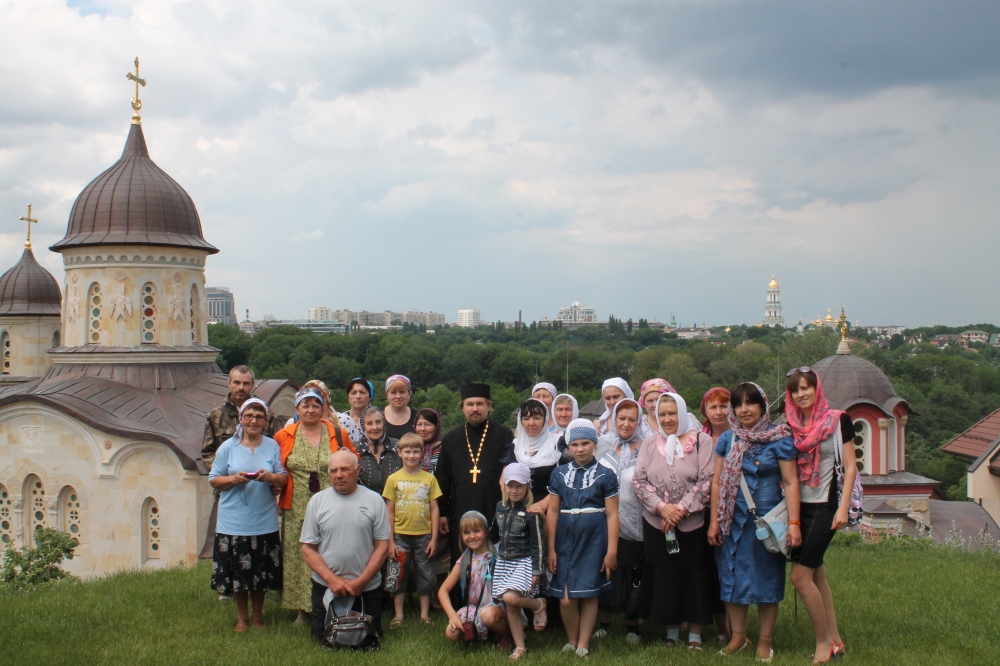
<point>306,446</point>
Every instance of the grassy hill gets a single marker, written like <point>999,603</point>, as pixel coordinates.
<point>897,604</point>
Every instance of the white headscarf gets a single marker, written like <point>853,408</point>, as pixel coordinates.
<point>238,433</point>
<point>618,383</point>
<point>672,447</point>
<point>576,413</point>
<point>613,439</point>
<point>539,451</point>
<point>553,391</point>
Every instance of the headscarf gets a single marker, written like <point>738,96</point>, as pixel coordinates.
<point>238,433</point>
<point>541,450</point>
<point>551,388</point>
<point>613,439</point>
<point>367,384</point>
<point>717,391</point>
<point>732,466</point>
<point>576,412</point>
<point>823,423</point>
<point>368,442</point>
<point>398,378</point>
<point>618,383</point>
<point>671,446</point>
<point>654,384</point>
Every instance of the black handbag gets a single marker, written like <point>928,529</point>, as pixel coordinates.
<point>352,630</point>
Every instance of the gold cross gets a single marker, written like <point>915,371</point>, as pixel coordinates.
<point>136,102</point>
<point>29,220</point>
<point>475,472</point>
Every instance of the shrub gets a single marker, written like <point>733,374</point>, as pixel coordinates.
<point>29,568</point>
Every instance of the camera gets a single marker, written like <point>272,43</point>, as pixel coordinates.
<point>469,632</point>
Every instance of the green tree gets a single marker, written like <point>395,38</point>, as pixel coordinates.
<point>233,344</point>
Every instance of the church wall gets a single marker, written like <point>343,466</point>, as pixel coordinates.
<point>177,276</point>
<point>111,479</point>
<point>875,450</point>
<point>30,338</point>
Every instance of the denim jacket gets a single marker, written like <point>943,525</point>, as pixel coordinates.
<point>519,534</point>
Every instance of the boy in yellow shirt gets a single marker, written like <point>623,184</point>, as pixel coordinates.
<point>411,496</point>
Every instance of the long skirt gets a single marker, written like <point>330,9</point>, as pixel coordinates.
<point>626,579</point>
<point>246,563</point>
<point>676,588</point>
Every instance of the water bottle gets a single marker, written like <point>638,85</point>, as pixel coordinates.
<point>672,546</point>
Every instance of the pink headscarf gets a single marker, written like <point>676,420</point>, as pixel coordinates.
<point>822,424</point>
<point>707,398</point>
<point>654,384</point>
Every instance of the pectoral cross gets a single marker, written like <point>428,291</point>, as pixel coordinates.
<point>474,472</point>
<point>28,220</point>
<point>136,102</point>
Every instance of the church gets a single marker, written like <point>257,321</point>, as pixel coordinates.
<point>105,387</point>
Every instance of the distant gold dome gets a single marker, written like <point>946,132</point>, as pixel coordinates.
<point>829,317</point>
<point>773,284</point>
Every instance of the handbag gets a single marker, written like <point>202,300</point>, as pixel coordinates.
<point>469,633</point>
<point>857,506</point>
<point>772,528</point>
<point>352,630</point>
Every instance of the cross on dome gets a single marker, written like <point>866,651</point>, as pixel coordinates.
<point>136,102</point>
<point>28,219</point>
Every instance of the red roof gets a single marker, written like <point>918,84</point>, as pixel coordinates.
<point>973,442</point>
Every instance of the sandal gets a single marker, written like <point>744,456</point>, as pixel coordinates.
<point>569,647</point>
<point>426,620</point>
<point>694,646</point>
<point>768,659</point>
<point>396,623</point>
<point>833,650</point>
<point>517,654</point>
<point>746,644</point>
<point>540,616</point>
<point>582,653</point>
<point>839,650</point>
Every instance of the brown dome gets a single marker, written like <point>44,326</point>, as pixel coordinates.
<point>29,289</point>
<point>134,202</point>
<point>849,380</point>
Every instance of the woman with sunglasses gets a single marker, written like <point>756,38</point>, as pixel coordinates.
<point>306,446</point>
<point>820,432</point>
<point>246,559</point>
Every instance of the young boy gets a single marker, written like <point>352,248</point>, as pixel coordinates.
<point>411,500</point>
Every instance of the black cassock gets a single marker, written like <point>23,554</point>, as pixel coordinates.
<point>454,474</point>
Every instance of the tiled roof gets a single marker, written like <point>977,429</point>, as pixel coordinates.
<point>966,517</point>
<point>973,442</point>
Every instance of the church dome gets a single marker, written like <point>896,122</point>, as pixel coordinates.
<point>849,380</point>
<point>29,289</point>
<point>773,284</point>
<point>134,202</point>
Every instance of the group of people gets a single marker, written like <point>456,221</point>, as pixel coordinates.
<point>647,511</point>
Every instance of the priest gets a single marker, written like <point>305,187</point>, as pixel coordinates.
<point>471,461</point>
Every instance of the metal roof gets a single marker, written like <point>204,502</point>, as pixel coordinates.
<point>29,289</point>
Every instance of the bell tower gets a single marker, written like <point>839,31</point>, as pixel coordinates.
<point>772,308</point>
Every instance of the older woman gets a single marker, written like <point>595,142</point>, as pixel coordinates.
<point>820,433</point>
<point>536,446</point>
<point>673,480</point>
<point>621,450</point>
<point>612,390</point>
<point>714,407</point>
<point>565,410</point>
<point>399,417</point>
<point>329,413</point>
<point>377,452</point>
<point>547,394</point>
<point>649,392</point>
<point>360,393</point>
<point>246,560</point>
<point>764,455</point>
<point>306,446</point>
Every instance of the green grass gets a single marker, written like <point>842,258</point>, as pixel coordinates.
<point>897,604</point>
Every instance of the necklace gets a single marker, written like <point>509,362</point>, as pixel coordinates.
<point>475,472</point>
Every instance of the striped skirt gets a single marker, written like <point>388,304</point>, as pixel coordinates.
<point>512,576</point>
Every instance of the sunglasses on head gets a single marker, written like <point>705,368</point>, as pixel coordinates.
<point>804,368</point>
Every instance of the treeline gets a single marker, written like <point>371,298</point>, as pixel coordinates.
<point>950,389</point>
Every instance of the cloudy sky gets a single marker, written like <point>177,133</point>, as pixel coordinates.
<point>647,159</point>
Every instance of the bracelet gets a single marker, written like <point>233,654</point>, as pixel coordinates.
<point>795,522</point>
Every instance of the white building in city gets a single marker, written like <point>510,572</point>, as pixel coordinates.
<point>468,318</point>
<point>577,314</point>
<point>772,308</point>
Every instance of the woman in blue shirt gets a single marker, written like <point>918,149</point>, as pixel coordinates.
<point>246,560</point>
<point>765,456</point>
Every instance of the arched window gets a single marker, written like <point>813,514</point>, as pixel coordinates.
<point>6,520</point>
<point>149,335</point>
<point>862,442</point>
<point>195,305</point>
<point>94,308</point>
<point>69,511</point>
<point>56,339</point>
<point>34,508</point>
<point>5,345</point>
<point>151,529</point>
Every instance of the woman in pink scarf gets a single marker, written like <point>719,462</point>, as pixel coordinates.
<point>819,433</point>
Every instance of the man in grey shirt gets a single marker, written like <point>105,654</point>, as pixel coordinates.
<point>345,539</point>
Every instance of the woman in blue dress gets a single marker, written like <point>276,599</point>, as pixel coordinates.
<point>765,455</point>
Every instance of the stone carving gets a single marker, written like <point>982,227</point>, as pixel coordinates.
<point>120,276</point>
<point>177,304</point>
<point>73,303</point>
<point>177,276</point>
<point>121,305</point>
<point>32,439</point>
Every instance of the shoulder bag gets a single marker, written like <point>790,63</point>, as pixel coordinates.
<point>352,630</point>
<point>772,529</point>
<point>857,505</point>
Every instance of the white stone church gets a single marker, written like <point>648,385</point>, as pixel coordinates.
<point>104,393</point>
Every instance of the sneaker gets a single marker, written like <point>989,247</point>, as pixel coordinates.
<point>569,647</point>
<point>633,638</point>
<point>600,633</point>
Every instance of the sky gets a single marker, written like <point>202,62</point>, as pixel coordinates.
<point>647,159</point>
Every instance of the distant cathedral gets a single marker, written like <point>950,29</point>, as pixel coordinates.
<point>772,309</point>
